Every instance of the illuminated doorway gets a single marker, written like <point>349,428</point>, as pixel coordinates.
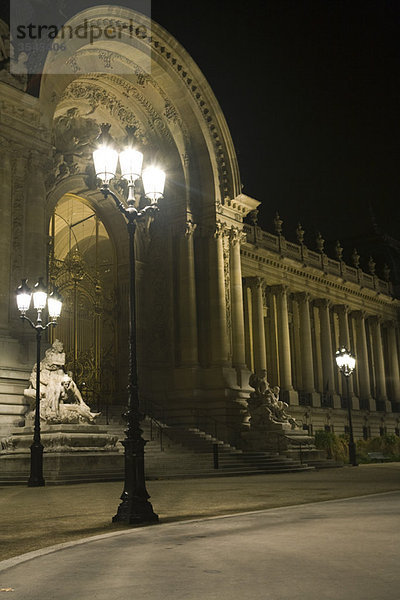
<point>82,267</point>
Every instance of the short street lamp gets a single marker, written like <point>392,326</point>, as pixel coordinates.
<point>135,506</point>
<point>54,305</point>
<point>346,363</point>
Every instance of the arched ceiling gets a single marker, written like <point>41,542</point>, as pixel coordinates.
<point>75,229</point>
<point>151,83</point>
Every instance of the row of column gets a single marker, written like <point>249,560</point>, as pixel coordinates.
<point>229,336</point>
<point>324,345</point>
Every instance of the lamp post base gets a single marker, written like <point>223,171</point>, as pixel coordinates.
<point>352,454</point>
<point>135,507</point>
<point>36,477</point>
<point>134,511</point>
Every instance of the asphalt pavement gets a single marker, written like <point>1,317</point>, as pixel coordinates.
<point>335,550</point>
<point>33,518</point>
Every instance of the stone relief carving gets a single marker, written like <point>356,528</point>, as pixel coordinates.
<point>219,147</point>
<point>264,404</point>
<point>97,96</point>
<point>18,213</point>
<point>74,136</point>
<point>13,69</point>
<point>60,398</point>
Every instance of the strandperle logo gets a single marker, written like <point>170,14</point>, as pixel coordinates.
<point>64,36</point>
<point>89,31</point>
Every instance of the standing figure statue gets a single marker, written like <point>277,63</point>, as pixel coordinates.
<point>60,398</point>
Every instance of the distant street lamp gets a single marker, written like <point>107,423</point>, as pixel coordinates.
<point>135,506</point>
<point>346,363</point>
<point>54,305</point>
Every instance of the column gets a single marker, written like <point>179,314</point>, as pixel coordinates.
<point>187,298</point>
<point>344,340</point>
<point>247,325</point>
<point>307,363</point>
<point>285,364</point>
<point>362,361</point>
<point>381,394</point>
<point>328,362</point>
<point>260,356</point>
<point>219,350</point>
<point>36,233</point>
<point>394,373</point>
<point>5,236</point>
<point>238,338</point>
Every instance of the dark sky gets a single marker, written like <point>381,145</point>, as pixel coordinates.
<point>310,91</point>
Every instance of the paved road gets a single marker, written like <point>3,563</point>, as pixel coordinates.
<point>339,550</point>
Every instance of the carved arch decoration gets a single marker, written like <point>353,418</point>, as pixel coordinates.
<point>172,104</point>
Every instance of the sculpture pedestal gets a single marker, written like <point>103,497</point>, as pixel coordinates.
<point>72,454</point>
<point>63,438</point>
<point>272,438</point>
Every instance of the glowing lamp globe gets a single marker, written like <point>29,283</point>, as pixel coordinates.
<point>54,305</point>
<point>153,183</point>
<point>105,160</point>
<point>345,361</point>
<point>24,295</point>
<point>39,295</point>
<point>131,161</point>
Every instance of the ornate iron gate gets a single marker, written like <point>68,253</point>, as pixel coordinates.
<point>87,326</point>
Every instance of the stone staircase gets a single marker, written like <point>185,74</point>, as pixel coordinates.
<point>301,446</point>
<point>179,452</point>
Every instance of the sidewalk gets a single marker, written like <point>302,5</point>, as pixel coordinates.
<point>33,518</point>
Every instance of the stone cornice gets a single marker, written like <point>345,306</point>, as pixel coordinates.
<point>312,275</point>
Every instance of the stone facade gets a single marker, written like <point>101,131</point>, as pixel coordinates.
<point>309,305</point>
<point>217,298</point>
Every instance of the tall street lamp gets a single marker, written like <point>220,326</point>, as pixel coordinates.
<point>135,506</point>
<point>346,363</point>
<point>54,305</point>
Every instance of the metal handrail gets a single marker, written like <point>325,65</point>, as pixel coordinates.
<point>160,428</point>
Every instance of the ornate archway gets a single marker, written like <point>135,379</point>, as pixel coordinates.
<point>82,267</point>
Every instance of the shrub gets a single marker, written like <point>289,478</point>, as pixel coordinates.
<point>388,444</point>
<point>334,446</point>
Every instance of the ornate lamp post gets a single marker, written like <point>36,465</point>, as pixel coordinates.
<point>346,363</point>
<point>135,506</point>
<point>54,305</point>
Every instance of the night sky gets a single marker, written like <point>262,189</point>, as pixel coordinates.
<point>310,91</point>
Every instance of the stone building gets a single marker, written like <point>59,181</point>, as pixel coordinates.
<point>218,298</point>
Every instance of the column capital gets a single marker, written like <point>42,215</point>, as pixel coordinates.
<point>323,303</point>
<point>185,229</point>
<point>256,282</point>
<point>302,297</point>
<point>359,314</point>
<point>189,228</point>
<point>279,290</point>
<point>390,324</point>
<point>236,236</point>
<point>375,319</point>
<point>219,230</point>
<point>341,309</point>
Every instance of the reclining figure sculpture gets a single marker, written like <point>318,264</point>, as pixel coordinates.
<point>60,398</point>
